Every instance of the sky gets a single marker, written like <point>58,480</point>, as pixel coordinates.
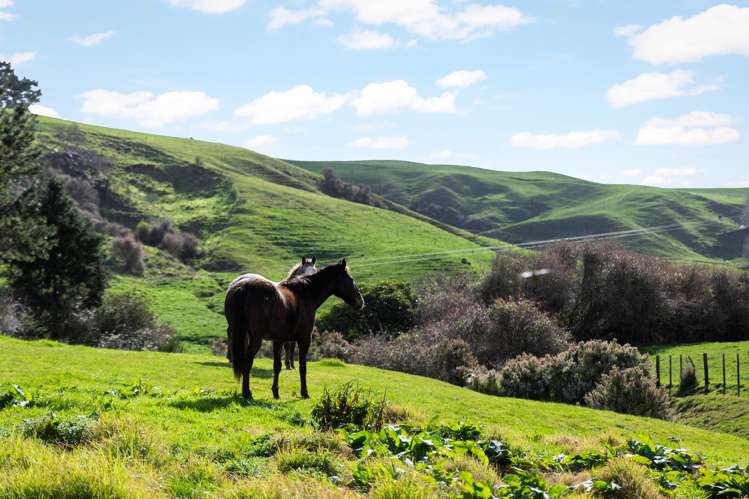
<point>637,92</point>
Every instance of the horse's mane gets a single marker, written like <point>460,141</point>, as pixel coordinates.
<point>300,282</point>
<point>293,271</point>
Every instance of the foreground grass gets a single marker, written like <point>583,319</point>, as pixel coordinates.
<point>195,407</point>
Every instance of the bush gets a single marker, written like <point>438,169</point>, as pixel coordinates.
<point>570,375</point>
<point>514,328</point>
<point>124,321</point>
<point>164,235</point>
<point>418,352</point>
<point>391,307</point>
<point>688,381</point>
<point>444,298</point>
<point>14,316</point>
<point>329,345</point>
<point>128,255</point>
<point>349,405</point>
<point>629,391</point>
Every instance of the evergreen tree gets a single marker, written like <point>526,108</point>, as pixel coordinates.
<point>21,235</point>
<point>70,276</point>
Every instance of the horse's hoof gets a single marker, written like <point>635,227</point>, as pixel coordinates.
<point>305,395</point>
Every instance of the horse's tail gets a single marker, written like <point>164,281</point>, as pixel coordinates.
<point>239,327</point>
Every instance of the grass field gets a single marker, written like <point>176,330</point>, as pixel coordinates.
<point>253,213</point>
<point>172,422</point>
<point>528,206</point>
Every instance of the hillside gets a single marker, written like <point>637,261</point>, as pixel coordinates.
<point>172,421</point>
<point>528,206</point>
<point>252,213</point>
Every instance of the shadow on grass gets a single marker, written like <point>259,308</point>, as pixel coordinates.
<point>257,372</point>
<point>210,404</point>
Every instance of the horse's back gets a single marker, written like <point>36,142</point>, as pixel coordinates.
<point>261,301</point>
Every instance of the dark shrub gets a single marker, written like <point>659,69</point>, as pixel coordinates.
<point>517,327</point>
<point>143,232</point>
<point>124,321</point>
<point>350,404</point>
<point>172,244</point>
<point>444,297</point>
<point>329,345</point>
<point>630,391</point>
<point>391,307</point>
<point>688,381</point>
<point>418,352</point>
<point>128,255</point>
<point>504,279</point>
<point>190,246</point>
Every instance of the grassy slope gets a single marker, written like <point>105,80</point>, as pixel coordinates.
<point>198,413</point>
<point>526,206</point>
<point>254,213</point>
<point>727,413</point>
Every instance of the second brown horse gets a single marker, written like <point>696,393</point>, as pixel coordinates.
<point>258,309</point>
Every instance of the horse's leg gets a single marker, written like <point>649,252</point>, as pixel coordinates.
<point>255,343</point>
<point>303,349</point>
<point>277,347</point>
<point>288,349</point>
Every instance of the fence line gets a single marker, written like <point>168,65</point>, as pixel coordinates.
<point>703,378</point>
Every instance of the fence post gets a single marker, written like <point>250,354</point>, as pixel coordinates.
<point>724,374</point>
<point>657,370</point>
<point>681,369</point>
<point>707,376</point>
<point>670,377</point>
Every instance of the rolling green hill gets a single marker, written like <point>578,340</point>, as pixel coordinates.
<point>172,425</point>
<point>527,206</point>
<point>252,213</point>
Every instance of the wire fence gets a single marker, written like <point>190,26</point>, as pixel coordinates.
<point>721,372</point>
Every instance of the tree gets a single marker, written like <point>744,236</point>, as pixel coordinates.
<point>70,276</point>
<point>19,167</point>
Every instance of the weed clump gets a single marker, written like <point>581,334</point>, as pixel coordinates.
<point>66,432</point>
<point>350,404</point>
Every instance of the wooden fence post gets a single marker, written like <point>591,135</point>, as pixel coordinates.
<point>681,369</point>
<point>724,373</point>
<point>707,376</point>
<point>658,370</point>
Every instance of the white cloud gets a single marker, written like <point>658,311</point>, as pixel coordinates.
<point>323,22</point>
<point>571,140</point>
<point>18,58</point>
<point>281,16</point>
<point>628,30</point>
<point>654,86</point>
<point>632,172</point>
<point>209,6</point>
<point>298,103</point>
<point>260,141</point>
<point>92,40</point>
<point>420,17</point>
<point>719,30</point>
<point>44,111</point>
<point>695,128</point>
<point>6,16</point>
<point>462,78</point>
<point>146,108</point>
<point>398,95</point>
<point>400,142</point>
<point>669,176</point>
<point>367,40</point>
<point>444,154</point>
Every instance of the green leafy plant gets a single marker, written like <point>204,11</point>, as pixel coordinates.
<point>350,404</point>
<point>15,396</point>
<point>66,432</point>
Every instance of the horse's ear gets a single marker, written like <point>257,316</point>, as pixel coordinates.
<point>314,259</point>
<point>304,260</point>
<point>342,262</point>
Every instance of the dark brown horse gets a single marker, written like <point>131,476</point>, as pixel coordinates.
<point>257,309</point>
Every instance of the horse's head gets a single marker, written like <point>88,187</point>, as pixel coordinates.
<point>344,286</point>
<point>306,267</point>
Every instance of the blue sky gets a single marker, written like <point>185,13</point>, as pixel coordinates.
<point>620,92</point>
